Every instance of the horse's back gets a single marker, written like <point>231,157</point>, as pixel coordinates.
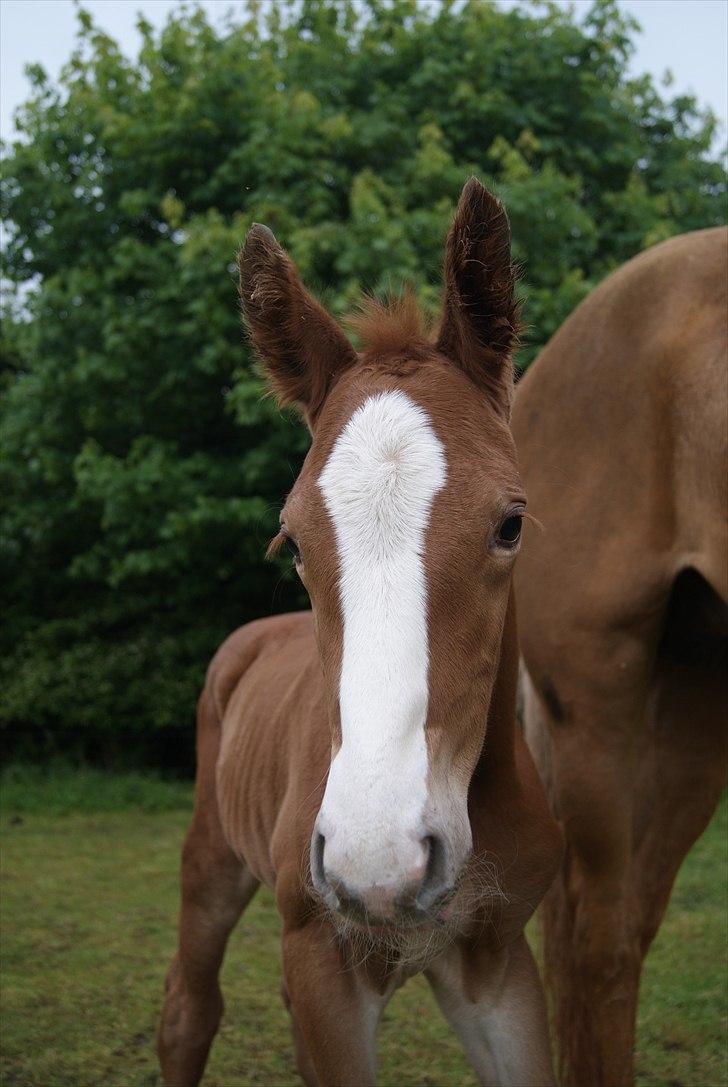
<point>620,427</point>
<point>648,345</point>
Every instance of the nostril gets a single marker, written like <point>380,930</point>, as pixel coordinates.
<point>318,844</point>
<point>435,872</point>
<point>435,880</point>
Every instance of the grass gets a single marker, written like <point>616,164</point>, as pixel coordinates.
<point>88,923</point>
<point>60,789</point>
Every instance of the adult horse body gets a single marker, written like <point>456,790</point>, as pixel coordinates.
<point>362,759</point>
<point>620,426</point>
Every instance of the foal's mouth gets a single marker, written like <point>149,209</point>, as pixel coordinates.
<point>406,919</point>
<point>396,927</point>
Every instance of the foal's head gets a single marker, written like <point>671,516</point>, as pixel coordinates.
<point>404,524</point>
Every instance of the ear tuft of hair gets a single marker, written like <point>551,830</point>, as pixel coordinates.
<point>479,327</point>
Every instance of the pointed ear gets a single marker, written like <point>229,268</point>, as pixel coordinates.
<point>480,316</point>
<point>302,347</point>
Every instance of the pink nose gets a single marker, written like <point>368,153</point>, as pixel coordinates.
<point>382,901</point>
<point>412,892</point>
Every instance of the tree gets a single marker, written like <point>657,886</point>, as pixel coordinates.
<point>142,464</point>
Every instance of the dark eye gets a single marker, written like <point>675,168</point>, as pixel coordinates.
<point>292,548</point>
<point>509,532</point>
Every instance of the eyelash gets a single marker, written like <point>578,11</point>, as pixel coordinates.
<point>292,548</point>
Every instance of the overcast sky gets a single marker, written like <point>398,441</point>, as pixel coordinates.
<point>690,37</point>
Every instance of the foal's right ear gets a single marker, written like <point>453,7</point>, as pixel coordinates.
<point>302,347</point>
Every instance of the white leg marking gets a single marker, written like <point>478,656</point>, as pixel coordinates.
<point>378,484</point>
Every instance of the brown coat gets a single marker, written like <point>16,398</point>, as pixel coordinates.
<point>274,720</point>
<point>621,426</point>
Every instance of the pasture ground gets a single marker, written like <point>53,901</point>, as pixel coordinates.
<point>89,901</point>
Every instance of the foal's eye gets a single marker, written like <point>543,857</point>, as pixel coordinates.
<point>509,532</point>
<point>292,548</point>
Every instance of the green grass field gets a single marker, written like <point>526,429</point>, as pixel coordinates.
<point>89,900</point>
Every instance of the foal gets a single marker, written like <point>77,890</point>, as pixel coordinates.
<point>362,759</point>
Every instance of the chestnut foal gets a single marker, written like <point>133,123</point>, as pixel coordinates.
<point>362,759</point>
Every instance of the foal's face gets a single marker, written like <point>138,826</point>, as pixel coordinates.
<point>404,525</point>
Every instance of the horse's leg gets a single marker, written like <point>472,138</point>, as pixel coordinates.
<point>495,1004</point>
<point>335,1012</point>
<point>303,1061</point>
<point>633,749</point>
<point>216,888</point>
<point>688,717</point>
<point>590,917</point>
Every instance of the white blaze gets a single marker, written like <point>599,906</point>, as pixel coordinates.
<point>378,484</point>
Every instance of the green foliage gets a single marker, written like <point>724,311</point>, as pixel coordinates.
<point>142,466</point>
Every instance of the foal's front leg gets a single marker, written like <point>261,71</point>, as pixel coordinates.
<point>335,1013</point>
<point>494,1002</point>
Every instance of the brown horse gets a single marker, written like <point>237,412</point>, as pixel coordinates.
<point>362,759</point>
<point>621,431</point>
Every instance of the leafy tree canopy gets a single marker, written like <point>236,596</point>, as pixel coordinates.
<point>142,468</point>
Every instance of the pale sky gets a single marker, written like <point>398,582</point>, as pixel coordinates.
<point>690,37</point>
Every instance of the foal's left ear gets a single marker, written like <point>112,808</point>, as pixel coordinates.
<point>480,318</point>
<point>302,347</point>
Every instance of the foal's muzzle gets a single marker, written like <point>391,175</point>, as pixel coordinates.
<point>410,899</point>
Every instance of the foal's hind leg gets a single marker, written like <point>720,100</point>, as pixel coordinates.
<point>216,888</point>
